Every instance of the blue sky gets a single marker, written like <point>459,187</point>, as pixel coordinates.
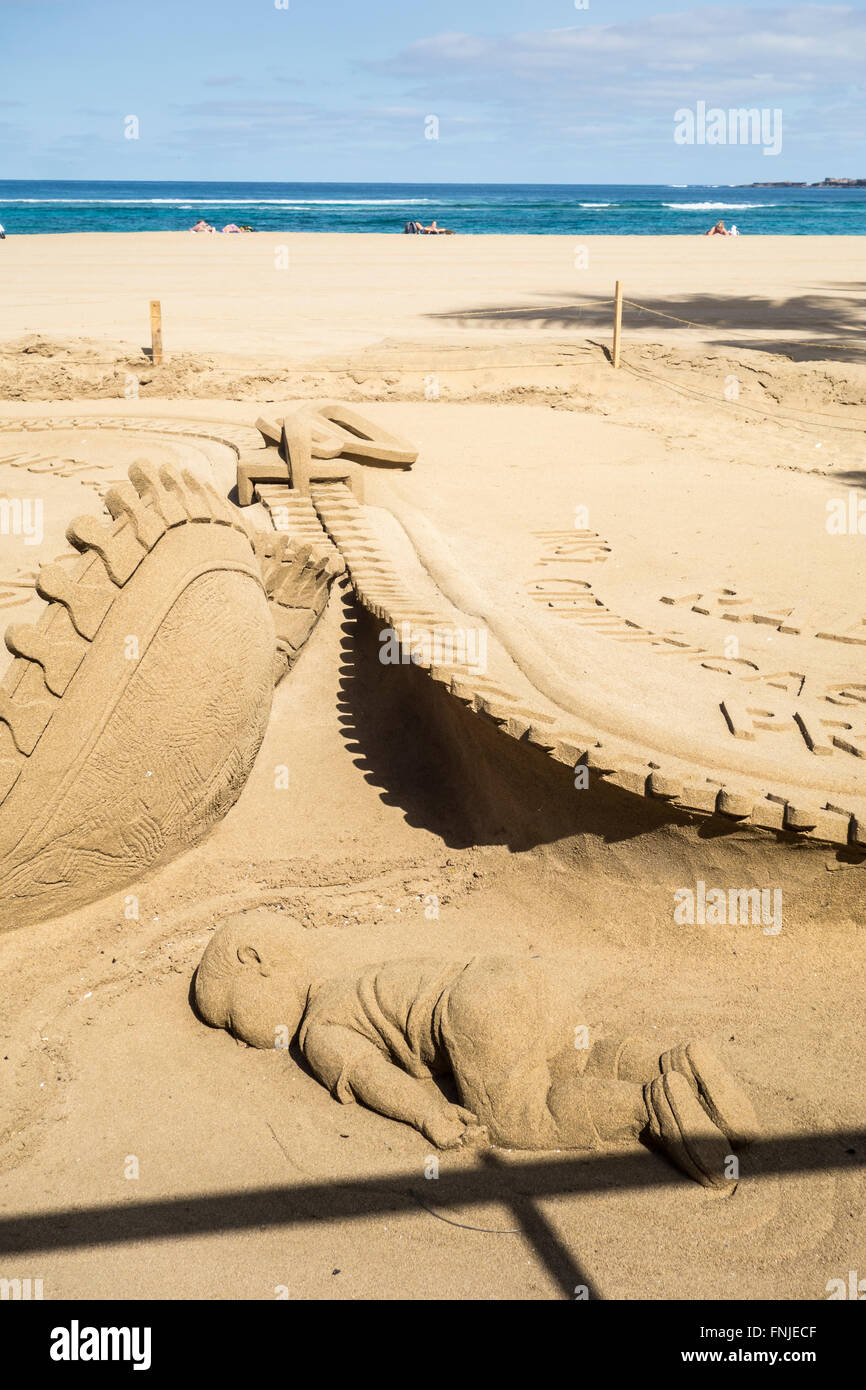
<point>340,89</point>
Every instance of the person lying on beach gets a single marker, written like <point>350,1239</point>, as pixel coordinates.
<point>418,228</point>
<point>202,226</point>
<point>718,230</point>
<point>507,1032</point>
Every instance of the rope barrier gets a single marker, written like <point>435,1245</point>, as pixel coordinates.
<point>783,414</point>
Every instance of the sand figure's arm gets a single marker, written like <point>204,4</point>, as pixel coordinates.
<point>354,1069</point>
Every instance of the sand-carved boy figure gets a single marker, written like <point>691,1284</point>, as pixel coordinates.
<point>502,1029</point>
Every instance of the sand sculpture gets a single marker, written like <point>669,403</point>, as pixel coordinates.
<point>166,630</point>
<point>303,449</point>
<point>762,750</point>
<point>135,706</point>
<point>138,697</point>
<point>505,1032</point>
<point>136,702</point>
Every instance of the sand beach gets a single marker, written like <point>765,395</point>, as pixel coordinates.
<point>608,533</point>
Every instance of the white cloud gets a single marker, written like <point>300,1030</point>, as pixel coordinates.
<point>795,47</point>
<point>543,85</point>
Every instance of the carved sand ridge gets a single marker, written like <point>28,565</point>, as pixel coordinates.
<point>829,814</point>
<point>238,437</point>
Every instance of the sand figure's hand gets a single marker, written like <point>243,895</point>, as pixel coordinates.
<point>453,1127</point>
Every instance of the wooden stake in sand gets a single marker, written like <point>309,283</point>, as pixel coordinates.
<point>156,332</point>
<point>617,322</point>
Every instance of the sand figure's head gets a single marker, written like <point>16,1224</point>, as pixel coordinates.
<point>253,980</point>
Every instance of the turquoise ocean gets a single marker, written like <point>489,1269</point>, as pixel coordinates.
<point>578,210</point>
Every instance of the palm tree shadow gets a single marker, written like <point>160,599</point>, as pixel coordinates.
<point>831,322</point>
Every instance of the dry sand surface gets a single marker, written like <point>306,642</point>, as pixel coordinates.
<point>342,292</point>
<point>252,1181</point>
<point>376,316</point>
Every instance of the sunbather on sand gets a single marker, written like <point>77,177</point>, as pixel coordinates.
<point>506,1031</point>
<point>434,229</point>
<point>718,230</point>
<point>202,226</point>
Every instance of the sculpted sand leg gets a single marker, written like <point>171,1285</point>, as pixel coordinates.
<point>135,706</point>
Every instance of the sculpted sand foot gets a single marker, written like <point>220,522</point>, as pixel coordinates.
<point>135,706</point>
<point>297,576</point>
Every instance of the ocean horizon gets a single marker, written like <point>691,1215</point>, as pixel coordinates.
<point>55,206</point>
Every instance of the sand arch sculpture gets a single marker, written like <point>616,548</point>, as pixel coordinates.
<point>133,709</point>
